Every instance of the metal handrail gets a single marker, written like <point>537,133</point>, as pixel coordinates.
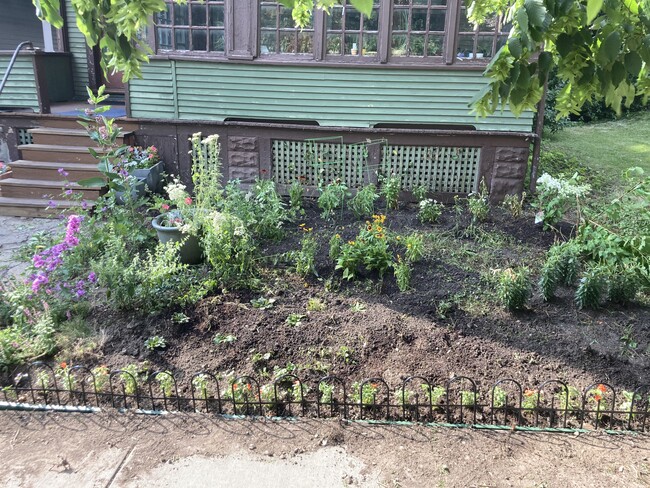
<point>13,60</point>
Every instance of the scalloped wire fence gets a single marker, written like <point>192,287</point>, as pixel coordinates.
<point>553,405</point>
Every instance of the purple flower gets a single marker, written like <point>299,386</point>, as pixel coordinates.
<point>92,277</point>
<point>88,112</point>
<point>80,292</point>
<point>68,192</point>
<point>63,172</point>
<point>40,280</point>
<point>51,204</point>
<point>84,205</point>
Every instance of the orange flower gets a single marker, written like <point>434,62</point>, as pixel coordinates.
<point>529,393</point>
<point>601,388</point>
<point>63,365</point>
<point>598,397</point>
<point>248,385</point>
<point>374,386</point>
<point>234,386</point>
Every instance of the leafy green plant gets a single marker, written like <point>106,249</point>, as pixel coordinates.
<point>402,270</point>
<point>294,319</point>
<point>390,189</point>
<point>478,203</point>
<point>201,384</point>
<point>347,354</point>
<point>467,398</point>
<point>420,193</point>
<point>166,383</point>
<point>296,194</point>
<point>569,398</point>
<point>155,342</point>
<point>555,196</point>
<point>370,250</point>
<point>129,377</point>
<point>326,392</point>
<point>530,399</point>
<point>434,394</point>
<point>592,287</point>
<point>220,338</point>
<point>180,318</point>
<point>363,203</point>
<point>358,307</point>
<point>263,303</point>
<point>335,246</point>
<point>306,256</point>
<point>331,198</point>
<point>514,287</point>
<point>429,211</point>
<point>498,397</point>
<point>514,204</point>
<point>414,247</point>
<point>365,395</point>
<point>561,267</point>
<point>623,284</point>
<point>316,305</point>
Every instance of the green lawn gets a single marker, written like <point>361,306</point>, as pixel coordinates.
<point>611,147</point>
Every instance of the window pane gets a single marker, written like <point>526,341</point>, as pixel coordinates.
<point>164,38</point>
<point>466,45</point>
<point>484,46</point>
<point>199,16</point>
<point>165,18</point>
<point>334,44</point>
<point>369,44</point>
<point>269,16</point>
<point>400,19</point>
<point>465,24</point>
<point>434,45</point>
<point>351,43</point>
<point>417,45</point>
<point>182,39</point>
<point>352,19</point>
<point>286,20</point>
<point>419,19</point>
<point>334,19</point>
<point>398,45</point>
<point>199,40</point>
<point>305,42</point>
<point>181,15</point>
<point>216,15</point>
<point>437,20</point>
<point>372,23</point>
<point>217,42</point>
<point>287,42</point>
<point>268,42</point>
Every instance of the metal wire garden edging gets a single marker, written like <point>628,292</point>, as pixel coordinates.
<point>553,405</point>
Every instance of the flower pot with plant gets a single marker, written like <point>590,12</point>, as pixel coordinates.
<point>145,164</point>
<point>180,224</point>
<point>5,171</point>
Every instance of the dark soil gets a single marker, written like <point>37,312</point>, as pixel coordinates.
<point>447,325</point>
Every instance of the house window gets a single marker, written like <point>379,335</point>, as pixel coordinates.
<point>349,33</point>
<point>418,28</point>
<point>197,25</point>
<point>482,41</point>
<point>278,32</point>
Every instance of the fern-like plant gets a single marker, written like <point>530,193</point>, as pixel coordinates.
<point>514,287</point>
<point>623,284</point>
<point>561,268</point>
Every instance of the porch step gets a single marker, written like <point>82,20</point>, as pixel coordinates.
<point>43,189</point>
<point>44,170</point>
<point>33,207</point>
<point>57,154</point>
<point>70,137</point>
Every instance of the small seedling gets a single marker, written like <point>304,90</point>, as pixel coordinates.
<point>155,342</point>
<point>346,354</point>
<point>316,305</point>
<point>220,338</point>
<point>259,358</point>
<point>180,318</point>
<point>262,303</point>
<point>358,307</point>
<point>294,319</point>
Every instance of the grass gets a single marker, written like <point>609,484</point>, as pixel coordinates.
<point>610,147</point>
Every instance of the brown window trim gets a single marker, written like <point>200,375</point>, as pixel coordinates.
<point>383,59</point>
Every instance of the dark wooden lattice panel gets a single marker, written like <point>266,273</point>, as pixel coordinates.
<point>438,169</point>
<point>314,162</point>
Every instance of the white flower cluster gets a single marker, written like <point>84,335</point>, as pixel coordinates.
<point>563,187</point>
<point>176,191</point>
<point>426,203</point>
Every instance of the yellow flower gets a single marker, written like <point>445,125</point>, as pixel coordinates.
<point>351,243</point>
<point>399,238</point>
<point>338,236</point>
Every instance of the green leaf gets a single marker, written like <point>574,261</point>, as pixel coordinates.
<point>545,62</point>
<point>633,63</point>
<point>564,44</point>
<point>632,5</point>
<point>94,182</point>
<point>610,48</point>
<point>522,20</point>
<point>536,12</point>
<point>593,9</point>
<point>363,6</point>
<point>618,73</point>
<point>514,46</point>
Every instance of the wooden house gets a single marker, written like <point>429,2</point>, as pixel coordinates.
<point>347,97</point>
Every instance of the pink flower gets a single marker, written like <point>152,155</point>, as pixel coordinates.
<point>188,201</point>
<point>165,206</point>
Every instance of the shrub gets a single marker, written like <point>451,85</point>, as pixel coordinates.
<point>555,196</point>
<point>363,203</point>
<point>306,256</point>
<point>369,250</point>
<point>514,287</point>
<point>592,287</point>
<point>331,198</point>
<point>390,188</point>
<point>402,270</point>
<point>514,204</point>
<point>414,247</point>
<point>296,194</point>
<point>430,211</point>
<point>478,203</point>
<point>623,284</point>
<point>561,268</point>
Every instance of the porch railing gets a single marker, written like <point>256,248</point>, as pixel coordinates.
<point>13,61</point>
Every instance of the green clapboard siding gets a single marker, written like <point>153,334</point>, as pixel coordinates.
<point>77,45</point>
<point>20,90</point>
<point>334,96</point>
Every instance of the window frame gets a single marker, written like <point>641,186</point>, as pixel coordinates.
<point>251,10</point>
<point>296,56</point>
